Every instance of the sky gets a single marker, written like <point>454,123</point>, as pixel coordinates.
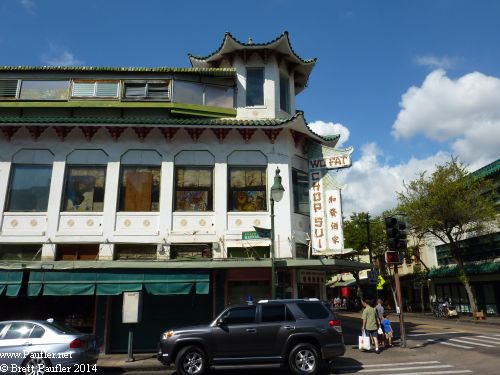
<point>406,83</point>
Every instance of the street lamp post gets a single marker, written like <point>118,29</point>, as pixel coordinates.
<point>277,191</point>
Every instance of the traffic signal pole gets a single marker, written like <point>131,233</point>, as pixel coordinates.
<point>402,329</point>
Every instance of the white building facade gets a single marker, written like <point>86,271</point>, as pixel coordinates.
<point>153,180</point>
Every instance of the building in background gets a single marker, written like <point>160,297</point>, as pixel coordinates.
<point>154,180</point>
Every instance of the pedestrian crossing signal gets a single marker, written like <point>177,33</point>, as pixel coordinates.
<point>392,257</point>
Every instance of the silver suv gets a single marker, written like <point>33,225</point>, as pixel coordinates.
<point>297,333</point>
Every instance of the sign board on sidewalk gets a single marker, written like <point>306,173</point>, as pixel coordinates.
<point>132,307</point>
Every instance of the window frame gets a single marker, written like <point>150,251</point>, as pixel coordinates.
<point>247,97</point>
<point>284,82</point>
<point>137,166</point>
<point>95,82</point>
<point>146,96</point>
<point>295,186</point>
<point>22,81</point>
<point>231,190</point>
<point>66,176</point>
<point>18,87</point>
<point>8,197</point>
<point>210,190</point>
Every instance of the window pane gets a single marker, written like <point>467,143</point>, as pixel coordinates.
<point>188,92</point>
<point>313,310</point>
<point>247,189</point>
<point>20,252</point>
<point>193,189</point>
<point>29,188</point>
<point>255,86</point>
<point>8,88</point>
<point>240,315</point>
<point>44,90</point>
<point>300,192</point>
<point>273,313</point>
<point>37,332</point>
<point>158,90</point>
<point>135,252</point>
<point>85,189</point>
<point>190,251</point>
<point>78,252</point>
<point>140,189</point>
<point>219,96</point>
<point>135,90</point>
<point>18,331</point>
<point>109,89</point>
<point>284,93</point>
<point>83,88</point>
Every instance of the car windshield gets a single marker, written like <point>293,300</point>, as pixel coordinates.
<point>61,329</point>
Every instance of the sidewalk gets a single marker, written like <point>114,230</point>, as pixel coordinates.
<point>143,362</point>
<point>490,320</point>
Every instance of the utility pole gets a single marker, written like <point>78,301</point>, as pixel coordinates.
<point>400,303</point>
<point>369,238</point>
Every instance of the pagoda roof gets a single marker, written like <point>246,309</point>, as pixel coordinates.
<point>280,46</point>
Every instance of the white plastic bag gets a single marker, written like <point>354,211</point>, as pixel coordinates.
<point>364,341</point>
<point>379,331</point>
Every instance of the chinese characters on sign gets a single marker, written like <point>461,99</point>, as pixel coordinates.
<point>326,206</point>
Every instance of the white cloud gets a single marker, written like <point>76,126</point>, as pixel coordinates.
<point>371,183</point>
<point>59,57</point>
<point>29,6</point>
<point>329,128</point>
<point>435,62</point>
<point>463,112</point>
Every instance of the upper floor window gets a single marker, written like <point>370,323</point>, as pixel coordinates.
<point>29,187</point>
<point>300,182</point>
<point>84,189</point>
<point>247,189</point>
<point>95,89</point>
<point>255,87</point>
<point>44,90</point>
<point>147,90</point>
<point>8,88</point>
<point>135,252</point>
<point>193,189</point>
<point>140,188</point>
<point>284,93</point>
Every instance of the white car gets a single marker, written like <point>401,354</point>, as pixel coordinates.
<point>34,347</point>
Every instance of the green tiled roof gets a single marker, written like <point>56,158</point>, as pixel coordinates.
<point>229,122</point>
<point>475,268</point>
<point>229,35</point>
<point>487,170</point>
<point>224,72</point>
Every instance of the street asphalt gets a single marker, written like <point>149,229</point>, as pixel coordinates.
<point>435,347</point>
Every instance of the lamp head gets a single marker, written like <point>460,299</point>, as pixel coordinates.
<point>277,189</point>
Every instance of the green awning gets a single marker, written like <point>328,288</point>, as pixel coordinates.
<point>473,268</point>
<point>105,283</point>
<point>11,282</point>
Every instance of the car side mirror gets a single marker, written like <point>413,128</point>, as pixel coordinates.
<point>220,321</point>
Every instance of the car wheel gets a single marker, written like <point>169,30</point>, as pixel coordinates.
<point>304,359</point>
<point>191,360</point>
<point>35,366</point>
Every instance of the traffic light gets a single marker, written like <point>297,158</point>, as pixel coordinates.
<point>392,257</point>
<point>396,233</point>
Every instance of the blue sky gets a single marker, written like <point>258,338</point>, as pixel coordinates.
<point>407,83</point>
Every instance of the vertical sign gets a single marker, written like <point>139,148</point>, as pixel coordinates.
<point>327,236</point>
<point>334,220</point>
<point>318,222</point>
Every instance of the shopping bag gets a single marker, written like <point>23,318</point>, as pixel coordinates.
<point>364,341</point>
<point>379,331</point>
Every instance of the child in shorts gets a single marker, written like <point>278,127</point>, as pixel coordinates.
<point>386,326</point>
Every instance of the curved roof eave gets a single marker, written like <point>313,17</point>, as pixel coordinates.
<point>280,44</point>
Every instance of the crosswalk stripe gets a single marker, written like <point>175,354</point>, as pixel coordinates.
<point>489,337</point>
<point>434,333</point>
<point>450,344</point>
<point>437,372</point>
<point>481,340</point>
<point>388,364</point>
<point>405,368</point>
<point>471,343</point>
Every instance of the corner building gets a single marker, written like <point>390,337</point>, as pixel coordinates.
<point>153,180</point>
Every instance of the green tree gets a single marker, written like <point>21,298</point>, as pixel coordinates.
<point>449,204</point>
<point>356,237</point>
